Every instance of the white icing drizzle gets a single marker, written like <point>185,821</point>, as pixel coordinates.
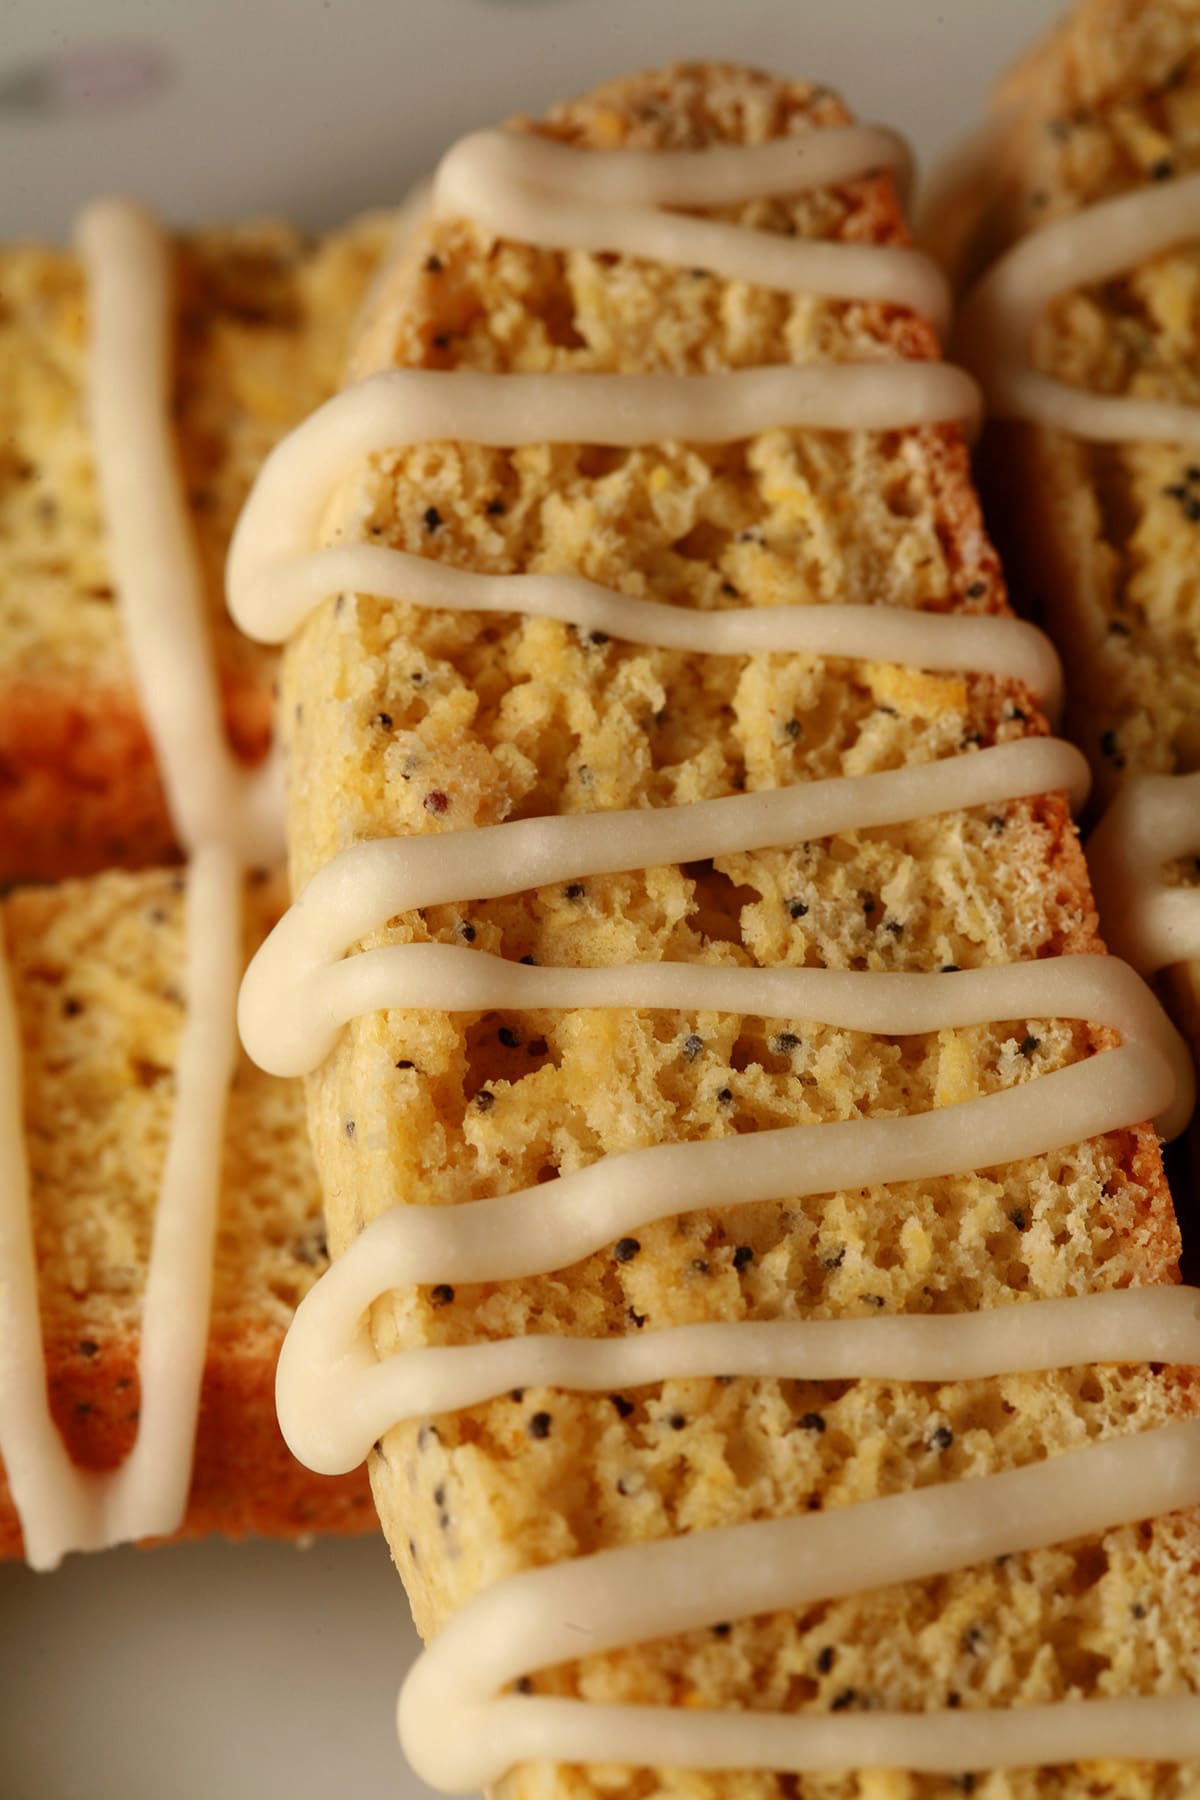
<point>555,197</point>
<point>1009,649</point>
<point>155,1479</point>
<point>156,572</point>
<point>221,816</point>
<point>334,1397</point>
<point>52,1497</point>
<point>272,562</point>
<point>516,1728</point>
<point>332,1411</point>
<point>460,1733</point>
<point>1152,820</point>
<point>61,1506</point>
<point>1089,246</point>
<point>296,995</point>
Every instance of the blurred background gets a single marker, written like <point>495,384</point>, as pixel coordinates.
<point>317,108</point>
<point>233,1671</point>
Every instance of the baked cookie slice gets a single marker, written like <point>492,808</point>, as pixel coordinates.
<point>731,1165</point>
<point>261,318</point>
<point>1087,337</point>
<point>152,1246</point>
<point>97,975</point>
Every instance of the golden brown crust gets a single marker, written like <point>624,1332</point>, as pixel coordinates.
<point>80,790</point>
<point>1105,54</point>
<point>246,1482</point>
<point>263,319</point>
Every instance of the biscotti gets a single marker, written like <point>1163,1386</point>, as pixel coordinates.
<point>658,827</point>
<point>224,818</point>
<point>261,320</point>
<point>96,968</point>
<point>1093,477</point>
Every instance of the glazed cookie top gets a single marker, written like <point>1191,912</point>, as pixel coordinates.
<point>553,415</point>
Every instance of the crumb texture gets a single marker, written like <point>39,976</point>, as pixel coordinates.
<point>1103,540</point>
<point>263,316</point>
<point>401,722</point>
<point>1114,105</point>
<point>97,968</point>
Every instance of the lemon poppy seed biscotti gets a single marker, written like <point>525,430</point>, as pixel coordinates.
<point>414,724</point>
<point>262,317</point>
<point>137,1398</point>
<point>1099,510</point>
<point>96,969</point>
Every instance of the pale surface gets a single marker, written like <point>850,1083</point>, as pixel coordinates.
<point>209,1669</point>
<point>313,125</point>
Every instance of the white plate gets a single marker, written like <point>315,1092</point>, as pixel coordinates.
<point>317,107</point>
<point>235,1671</point>
<point>208,1671</point>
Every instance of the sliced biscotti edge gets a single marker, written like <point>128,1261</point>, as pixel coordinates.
<point>96,968</point>
<point>263,316</point>
<point>1102,540</point>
